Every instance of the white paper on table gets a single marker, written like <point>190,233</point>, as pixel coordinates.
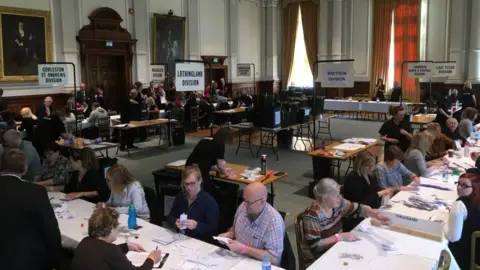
<point>165,239</point>
<point>138,258</point>
<point>250,175</point>
<point>401,262</point>
<point>349,147</point>
<point>359,140</point>
<point>95,146</point>
<point>177,163</point>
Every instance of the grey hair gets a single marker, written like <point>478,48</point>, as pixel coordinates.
<point>326,187</point>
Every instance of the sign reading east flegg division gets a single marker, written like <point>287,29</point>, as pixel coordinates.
<point>420,70</point>
<point>189,76</point>
<point>157,73</point>
<point>51,74</point>
<point>244,70</point>
<point>444,69</point>
<point>337,75</point>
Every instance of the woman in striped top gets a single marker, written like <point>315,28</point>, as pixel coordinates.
<point>322,220</point>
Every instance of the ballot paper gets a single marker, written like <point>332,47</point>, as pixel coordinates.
<point>165,239</point>
<point>177,163</point>
<point>349,147</point>
<point>138,258</point>
<point>183,217</point>
<point>223,240</point>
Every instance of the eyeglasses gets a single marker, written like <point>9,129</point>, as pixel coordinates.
<point>251,203</point>
<point>191,184</point>
<point>462,185</point>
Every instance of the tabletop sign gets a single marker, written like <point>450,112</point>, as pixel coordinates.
<point>420,70</point>
<point>414,226</point>
<point>444,69</point>
<point>244,70</point>
<point>337,75</point>
<point>52,74</point>
<point>157,73</point>
<point>189,76</point>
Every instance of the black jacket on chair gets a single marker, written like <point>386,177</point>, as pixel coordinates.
<point>31,237</point>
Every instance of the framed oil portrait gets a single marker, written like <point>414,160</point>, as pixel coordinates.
<point>168,40</point>
<point>25,41</point>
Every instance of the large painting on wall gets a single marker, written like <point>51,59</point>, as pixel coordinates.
<point>25,41</point>
<point>168,40</point>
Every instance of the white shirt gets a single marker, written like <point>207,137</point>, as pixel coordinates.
<point>454,226</point>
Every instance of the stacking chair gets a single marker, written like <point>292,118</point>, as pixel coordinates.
<point>300,239</point>
<point>103,125</point>
<point>194,118</point>
<point>444,261</point>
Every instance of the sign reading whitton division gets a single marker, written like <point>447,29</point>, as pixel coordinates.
<point>337,75</point>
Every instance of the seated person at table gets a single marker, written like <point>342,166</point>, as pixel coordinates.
<point>465,128</point>
<point>89,129</point>
<point>206,113</point>
<point>124,191</point>
<point>392,173</point>
<point>97,251</point>
<point>464,219</point>
<point>31,237</point>
<point>55,169</point>
<point>49,129</point>
<point>395,130</point>
<point>361,187</point>
<point>451,131</point>
<point>191,103</point>
<point>441,143</point>
<point>258,228</point>
<point>85,181</point>
<point>29,120</point>
<point>415,156</point>
<point>200,207</point>
<point>208,153</point>
<point>8,120</point>
<point>322,220</point>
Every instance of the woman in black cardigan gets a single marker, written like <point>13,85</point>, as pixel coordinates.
<point>361,187</point>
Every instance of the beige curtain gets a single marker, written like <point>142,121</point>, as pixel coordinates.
<point>288,2</point>
<point>309,11</point>
<point>382,33</point>
<point>290,20</point>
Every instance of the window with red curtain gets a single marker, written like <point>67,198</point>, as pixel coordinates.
<point>406,20</point>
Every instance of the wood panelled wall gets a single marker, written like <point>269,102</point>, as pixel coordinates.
<point>15,104</point>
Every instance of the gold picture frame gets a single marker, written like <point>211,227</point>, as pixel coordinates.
<point>24,46</point>
<point>162,24</point>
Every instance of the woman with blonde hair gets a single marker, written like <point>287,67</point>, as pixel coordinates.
<point>415,156</point>
<point>124,191</point>
<point>202,210</point>
<point>29,120</point>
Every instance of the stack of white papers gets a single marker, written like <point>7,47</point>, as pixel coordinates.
<point>164,239</point>
<point>360,140</point>
<point>138,258</point>
<point>349,147</point>
<point>177,163</point>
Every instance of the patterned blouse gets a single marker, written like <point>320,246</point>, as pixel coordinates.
<point>317,225</point>
<point>58,172</point>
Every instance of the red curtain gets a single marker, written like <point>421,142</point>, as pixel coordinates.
<point>407,35</point>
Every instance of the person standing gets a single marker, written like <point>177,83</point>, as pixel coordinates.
<point>380,90</point>
<point>132,112</point>
<point>45,109</point>
<point>32,237</point>
<point>468,96</point>
<point>396,94</point>
<point>396,131</point>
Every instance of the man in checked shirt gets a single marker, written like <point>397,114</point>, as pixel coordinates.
<point>258,228</point>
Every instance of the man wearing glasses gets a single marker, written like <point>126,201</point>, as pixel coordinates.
<point>258,228</point>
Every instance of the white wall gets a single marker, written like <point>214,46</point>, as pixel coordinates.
<point>35,4</point>
<point>212,27</point>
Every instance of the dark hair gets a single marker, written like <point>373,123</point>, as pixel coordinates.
<point>95,104</point>
<point>224,135</point>
<point>14,161</point>
<point>475,179</point>
<point>7,116</point>
<point>52,146</point>
<point>393,152</point>
<point>87,156</point>
<point>396,109</point>
<point>102,222</point>
<point>469,113</point>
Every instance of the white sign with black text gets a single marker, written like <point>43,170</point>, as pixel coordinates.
<point>52,74</point>
<point>244,70</point>
<point>157,73</point>
<point>420,70</point>
<point>189,76</point>
<point>444,69</point>
<point>337,75</point>
<point>420,225</point>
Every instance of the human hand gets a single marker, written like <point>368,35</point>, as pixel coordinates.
<point>135,247</point>
<point>73,195</point>
<point>235,246</point>
<point>405,188</point>
<point>387,192</point>
<point>404,132</point>
<point>178,223</point>
<point>384,220</point>
<point>226,235</point>
<point>474,155</point>
<point>416,180</point>
<point>348,237</point>
<point>101,205</point>
<point>190,224</point>
<point>391,140</point>
<point>155,256</point>
<point>445,161</point>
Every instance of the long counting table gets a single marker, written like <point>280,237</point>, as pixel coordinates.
<point>185,253</point>
<point>361,106</point>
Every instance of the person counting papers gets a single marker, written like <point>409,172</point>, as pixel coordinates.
<point>97,113</point>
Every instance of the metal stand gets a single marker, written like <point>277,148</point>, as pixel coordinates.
<point>254,86</point>
<point>401,80</point>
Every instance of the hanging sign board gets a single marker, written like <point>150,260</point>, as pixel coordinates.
<point>444,69</point>
<point>52,74</point>
<point>244,70</point>
<point>420,70</point>
<point>337,75</point>
<point>157,73</point>
<point>189,76</point>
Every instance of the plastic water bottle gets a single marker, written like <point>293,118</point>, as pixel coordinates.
<point>466,150</point>
<point>445,174</point>
<point>266,264</point>
<point>263,165</point>
<point>132,217</point>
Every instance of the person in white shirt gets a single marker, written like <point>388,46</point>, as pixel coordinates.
<point>464,219</point>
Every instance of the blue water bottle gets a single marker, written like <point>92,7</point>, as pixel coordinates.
<point>132,217</point>
<point>266,265</point>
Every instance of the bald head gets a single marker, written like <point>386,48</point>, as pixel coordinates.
<point>257,190</point>
<point>255,197</point>
<point>12,138</point>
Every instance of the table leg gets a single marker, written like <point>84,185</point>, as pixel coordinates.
<point>261,143</point>
<point>169,131</point>
<point>272,192</point>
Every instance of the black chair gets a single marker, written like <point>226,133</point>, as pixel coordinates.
<point>153,206</point>
<point>287,261</point>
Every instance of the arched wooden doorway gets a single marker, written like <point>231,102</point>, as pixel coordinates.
<point>106,52</point>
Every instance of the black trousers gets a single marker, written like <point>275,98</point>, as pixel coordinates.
<point>127,138</point>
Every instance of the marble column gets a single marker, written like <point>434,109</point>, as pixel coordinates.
<point>337,33</point>
<point>71,24</point>
<point>474,48</point>
<point>322,33</point>
<point>232,41</point>
<point>457,37</point>
<point>271,21</point>
<point>142,60</point>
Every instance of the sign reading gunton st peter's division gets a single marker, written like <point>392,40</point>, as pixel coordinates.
<point>189,76</point>
<point>337,75</point>
<point>444,69</point>
<point>420,70</point>
<point>244,70</point>
<point>51,74</point>
<point>157,73</point>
